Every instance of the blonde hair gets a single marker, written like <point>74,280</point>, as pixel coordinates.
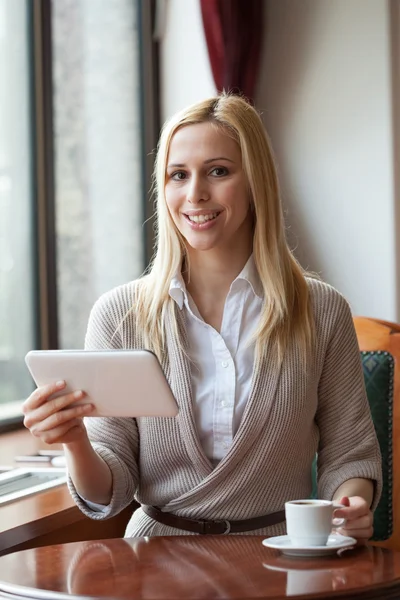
<point>286,310</point>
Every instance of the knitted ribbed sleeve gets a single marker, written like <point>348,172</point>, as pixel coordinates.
<point>292,413</point>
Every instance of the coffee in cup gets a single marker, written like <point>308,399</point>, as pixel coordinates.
<point>309,522</point>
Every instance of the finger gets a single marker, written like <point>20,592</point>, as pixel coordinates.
<point>358,534</point>
<point>68,414</point>
<point>361,523</point>
<point>51,407</point>
<point>351,512</point>
<point>60,418</point>
<point>41,395</point>
<point>345,501</point>
<point>57,435</point>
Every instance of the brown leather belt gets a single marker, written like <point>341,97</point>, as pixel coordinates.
<point>220,527</point>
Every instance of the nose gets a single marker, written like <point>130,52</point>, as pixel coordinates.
<point>197,190</point>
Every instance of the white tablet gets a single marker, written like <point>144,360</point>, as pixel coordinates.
<point>120,383</point>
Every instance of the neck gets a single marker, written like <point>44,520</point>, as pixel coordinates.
<point>211,273</point>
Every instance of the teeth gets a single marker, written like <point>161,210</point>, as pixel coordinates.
<point>202,218</point>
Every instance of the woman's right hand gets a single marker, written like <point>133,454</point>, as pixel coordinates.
<point>55,421</point>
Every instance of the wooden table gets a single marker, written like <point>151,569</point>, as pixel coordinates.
<point>195,567</point>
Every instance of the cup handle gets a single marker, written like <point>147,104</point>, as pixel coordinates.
<point>338,522</point>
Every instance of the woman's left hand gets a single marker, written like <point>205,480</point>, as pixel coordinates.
<point>359,518</point>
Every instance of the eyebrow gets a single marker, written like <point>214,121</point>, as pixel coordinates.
<point>206,162</point>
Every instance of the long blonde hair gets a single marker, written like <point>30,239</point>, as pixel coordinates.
<point>286,310</point>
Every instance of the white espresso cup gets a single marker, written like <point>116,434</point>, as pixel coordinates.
<point>309,522</point>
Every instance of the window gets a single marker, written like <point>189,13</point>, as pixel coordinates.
<point>75,162</point>
<point>97,145</point>
<point>17,257</point>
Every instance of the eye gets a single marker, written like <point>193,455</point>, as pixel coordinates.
<point>178,176</point>
<point>219,171</point>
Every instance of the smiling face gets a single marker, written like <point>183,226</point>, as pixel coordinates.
<point>206,190</point>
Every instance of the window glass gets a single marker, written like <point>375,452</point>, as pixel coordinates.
<point>17,263</point>
<point>98,183</point>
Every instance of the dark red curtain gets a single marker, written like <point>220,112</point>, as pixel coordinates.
<point>233,30</point>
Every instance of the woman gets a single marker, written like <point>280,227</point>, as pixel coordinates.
<point>262,359</point>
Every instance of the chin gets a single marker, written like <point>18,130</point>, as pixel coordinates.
<point>201,246</point>
<point>201,242</point>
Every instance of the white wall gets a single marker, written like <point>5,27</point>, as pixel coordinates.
<point>185,70</point>
<point>325,91</point>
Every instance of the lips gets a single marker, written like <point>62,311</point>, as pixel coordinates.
<point>201,220</point>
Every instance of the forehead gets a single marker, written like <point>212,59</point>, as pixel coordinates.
<point>202,140</point>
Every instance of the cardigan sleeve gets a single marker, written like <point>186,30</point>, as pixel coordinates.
<point>348,446</point>
<point>116,440</point>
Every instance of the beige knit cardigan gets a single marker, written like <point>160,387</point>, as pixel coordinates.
<point>291,414</point>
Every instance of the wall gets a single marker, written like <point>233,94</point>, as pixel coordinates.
<point>325,93</point>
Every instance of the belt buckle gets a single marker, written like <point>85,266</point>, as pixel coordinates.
<point>227,525</point>
<point>207,525</point>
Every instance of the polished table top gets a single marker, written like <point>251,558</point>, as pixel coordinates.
<point>195,567</point>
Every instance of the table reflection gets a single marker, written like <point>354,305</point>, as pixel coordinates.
<point>217,567</point>
<point>148,567</point>
<point>93,569</point>
<point>359,568</point>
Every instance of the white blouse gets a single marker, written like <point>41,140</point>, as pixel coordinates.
<point>222,363</point>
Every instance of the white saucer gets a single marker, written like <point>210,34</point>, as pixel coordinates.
<point>335,542</point>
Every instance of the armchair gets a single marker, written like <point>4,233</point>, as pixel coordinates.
<point>379,343</point>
